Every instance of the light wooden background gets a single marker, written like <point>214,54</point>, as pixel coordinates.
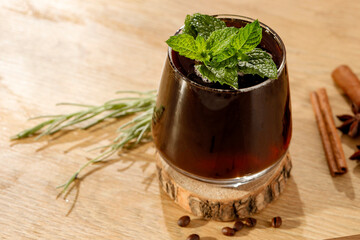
<point>83,51</point>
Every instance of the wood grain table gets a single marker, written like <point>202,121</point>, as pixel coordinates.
<point>84,51</point>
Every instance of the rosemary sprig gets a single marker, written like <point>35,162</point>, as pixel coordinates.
<point>130,134</point>
<point>115,108</point>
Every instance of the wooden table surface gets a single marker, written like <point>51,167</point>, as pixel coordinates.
<point>83,51</point>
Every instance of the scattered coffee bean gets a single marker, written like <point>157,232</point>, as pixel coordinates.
<point>193,237</point>
<point>228,231</point>
<point>183,221</point>
<point>276,222</point>
<point>238,225</point>
<point>250,222</point>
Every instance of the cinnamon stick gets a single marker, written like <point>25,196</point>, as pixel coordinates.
<point>331,141</point>
<point>348,82</point>
<point>332,131</point>
<point>324,135</point>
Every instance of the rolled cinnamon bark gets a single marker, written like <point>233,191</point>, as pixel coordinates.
<point>348,82</point>
<point>324,135</point>
<point>328,132</point>
<point>332,131</point>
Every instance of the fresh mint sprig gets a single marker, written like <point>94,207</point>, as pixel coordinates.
<point>222,52</point>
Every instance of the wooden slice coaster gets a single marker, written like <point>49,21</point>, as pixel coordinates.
<point>220,203</point>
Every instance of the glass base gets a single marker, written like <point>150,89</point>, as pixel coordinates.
<point>233,182</point>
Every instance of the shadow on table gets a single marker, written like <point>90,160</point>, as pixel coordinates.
<point>288,206</point>
<point>74,188</point>
<point>349,141</point>
<point>344,184</point>
<point>356,170</point>
<point>91,137</point>
<point>172,212</point>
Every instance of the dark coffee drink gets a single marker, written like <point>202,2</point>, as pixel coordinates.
<point>212,132</point>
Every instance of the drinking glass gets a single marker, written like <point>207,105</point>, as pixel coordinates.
<point>224,136</point>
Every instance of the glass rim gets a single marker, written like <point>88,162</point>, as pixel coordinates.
<point>240,90</point>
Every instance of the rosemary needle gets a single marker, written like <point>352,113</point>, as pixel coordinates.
<point>130,133</point>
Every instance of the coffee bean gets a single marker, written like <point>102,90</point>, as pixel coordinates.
<point>228,231</point>
<point>193,237</point>
<point>250,222</point>
<point>183,221</point>
<point>238,226</point>
<point>276,222</point>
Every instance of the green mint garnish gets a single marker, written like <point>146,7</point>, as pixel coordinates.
<point>220,44</point>
<point>189,47</point>
<point>260,63</point>
<point>202,25</point>
<point>248,37</point>
<point>222,52</point>
<point>226,75</point>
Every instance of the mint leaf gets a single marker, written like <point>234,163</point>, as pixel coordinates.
<point>229,63</point>
<point>189,28</point>
<point>184,44</point>
<point>201,49</point>
<point>222,75</point>
<point>248,37</point>
<point>202,25</point>
<point>219,44</point>
<point>221,39</point>
<point>188,47</point>
<point>260,63</point>
<point>200,43</point>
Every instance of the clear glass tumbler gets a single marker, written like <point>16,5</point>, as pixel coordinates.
<point>223,136</point>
